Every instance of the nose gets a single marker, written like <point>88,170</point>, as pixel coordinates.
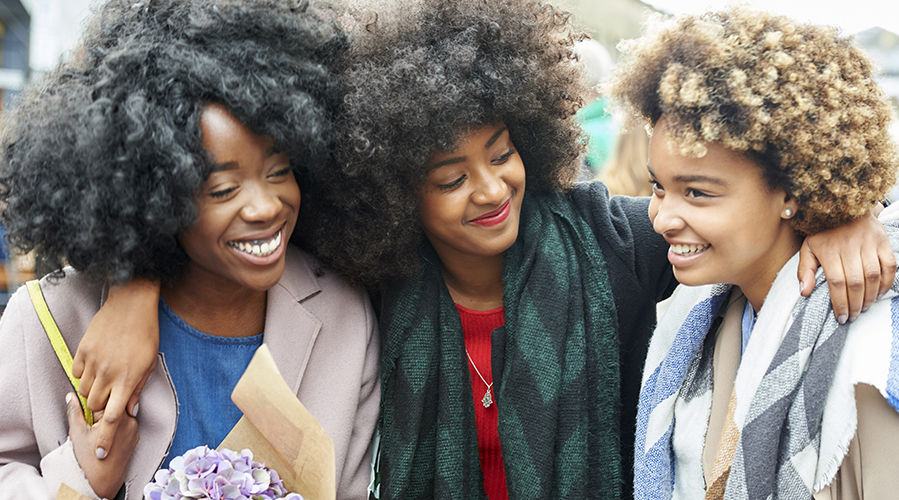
<point>490,188</point>
<point>261,205</point>
<point>664,215</point>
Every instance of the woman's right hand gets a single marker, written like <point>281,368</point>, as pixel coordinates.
<point>117,354</point>
<point>104,476</point>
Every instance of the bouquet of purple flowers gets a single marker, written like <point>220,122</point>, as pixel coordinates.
<point>203,473</point>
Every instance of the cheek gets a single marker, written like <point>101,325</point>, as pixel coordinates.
<point>653,208</point>
<point>428,211</point>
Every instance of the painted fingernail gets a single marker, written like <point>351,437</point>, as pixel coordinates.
<point>135,409</point>
<point>842,319</point>
<point>69,397</point>
<point>865,308</point>
<point>852,318</point>
<point>880,296</point>
<point>101,453</point>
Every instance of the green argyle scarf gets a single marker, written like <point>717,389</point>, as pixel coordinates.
<point>555,368</point>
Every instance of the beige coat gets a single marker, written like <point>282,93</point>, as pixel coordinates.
<point>869,468</point>
<point>321,332</point>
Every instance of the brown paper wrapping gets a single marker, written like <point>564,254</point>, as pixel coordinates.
<point>67,493</point>
<point>281,432</point>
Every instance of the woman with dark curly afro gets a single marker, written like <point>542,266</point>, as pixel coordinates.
<point>764,130</point>
<point>516,308</point>
<point>169,147</point>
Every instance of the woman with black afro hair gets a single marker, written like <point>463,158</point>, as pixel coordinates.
<point>516,307</point>
<point>172,147</point>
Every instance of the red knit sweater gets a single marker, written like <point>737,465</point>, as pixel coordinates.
<point>476,329</point>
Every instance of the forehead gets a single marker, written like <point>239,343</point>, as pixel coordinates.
<point>225,137</point>
<point>717,161</point>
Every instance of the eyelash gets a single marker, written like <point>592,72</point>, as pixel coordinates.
<point>690,193</point>
<point>453,184</point>
<point>695,193</point>
<point>503,158</point>
<point>223,193</point>
<point>280,173</point>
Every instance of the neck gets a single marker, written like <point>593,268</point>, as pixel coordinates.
<point>217,307</point>
<point>475,282</point>
<point>760,279</point>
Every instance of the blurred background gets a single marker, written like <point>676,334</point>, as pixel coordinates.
<point>34,34</point>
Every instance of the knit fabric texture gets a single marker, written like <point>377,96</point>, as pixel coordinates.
<point>556,372</point>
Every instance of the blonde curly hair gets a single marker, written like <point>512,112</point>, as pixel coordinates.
<point>798,99</point>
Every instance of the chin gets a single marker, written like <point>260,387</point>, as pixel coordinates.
<point>693,278</point>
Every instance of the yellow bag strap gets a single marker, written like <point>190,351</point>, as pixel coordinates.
<point>56,340</point>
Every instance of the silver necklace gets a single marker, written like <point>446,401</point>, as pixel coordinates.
<point>487,400</point>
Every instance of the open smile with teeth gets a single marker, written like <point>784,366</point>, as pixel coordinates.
<point>689,249</point>
<point>258,248</point>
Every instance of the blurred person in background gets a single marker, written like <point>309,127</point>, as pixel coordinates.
<point>625,174</point>
<point>595,117</point>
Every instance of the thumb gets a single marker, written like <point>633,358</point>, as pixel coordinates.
<point>808,264</point>
<point>75,414</point>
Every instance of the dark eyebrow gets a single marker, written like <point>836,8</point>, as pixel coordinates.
<point>494,137</point>
<point>230,165</point>
<point>220,167</point>
<point>448,161</point>
<point>699,178</point>
<point>460,159</point>
<point>685,179</point>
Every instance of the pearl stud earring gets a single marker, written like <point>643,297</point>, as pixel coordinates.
<point>788,212</point>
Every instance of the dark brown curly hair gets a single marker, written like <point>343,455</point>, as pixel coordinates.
<point>799,99</point>
<point>418,77</point>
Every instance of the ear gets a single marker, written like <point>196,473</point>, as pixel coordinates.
<point>790,207</point>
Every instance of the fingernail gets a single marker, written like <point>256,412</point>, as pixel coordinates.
<point>852,318</point>
<point>101,453</point>
<point>880,296</point>
<point>135,409</point>
<point>842,319</point>
<point>865,308</point>
<point>69,397</point>
<point>801,285</point>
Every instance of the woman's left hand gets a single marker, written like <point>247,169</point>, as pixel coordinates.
<point>857,260</point>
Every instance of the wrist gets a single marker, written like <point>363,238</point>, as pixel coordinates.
<point>136,291</point>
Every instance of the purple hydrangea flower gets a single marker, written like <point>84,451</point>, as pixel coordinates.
<point>205,474</point>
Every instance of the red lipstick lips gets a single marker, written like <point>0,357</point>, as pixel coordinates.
<point>495,217</point>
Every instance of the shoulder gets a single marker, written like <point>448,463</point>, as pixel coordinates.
<point>72,300</point>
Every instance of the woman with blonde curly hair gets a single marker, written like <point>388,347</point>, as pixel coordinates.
<point>764,130</point>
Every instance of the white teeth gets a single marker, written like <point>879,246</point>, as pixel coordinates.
<point>688,249</point>
<point>257,247</point>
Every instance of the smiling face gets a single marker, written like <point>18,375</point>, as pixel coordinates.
<point>722,220</point>
<point>247,208</point>
<point>470,203</point>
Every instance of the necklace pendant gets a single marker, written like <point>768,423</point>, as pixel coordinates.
<point>487,400</point>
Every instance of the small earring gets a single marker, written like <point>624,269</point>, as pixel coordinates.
<point>788,213</point>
